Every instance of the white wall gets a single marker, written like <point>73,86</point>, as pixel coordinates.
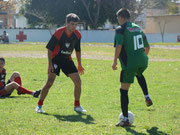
<point>103,36</point>
<point>21,22</point>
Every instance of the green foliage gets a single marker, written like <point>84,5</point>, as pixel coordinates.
<point>172,8</point>
<point>100,96</point>
<point>93,12</point>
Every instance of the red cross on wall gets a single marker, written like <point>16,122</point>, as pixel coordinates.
<point>21,37</point>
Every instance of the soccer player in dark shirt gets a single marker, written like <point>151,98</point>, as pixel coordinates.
<point>60,48</point>
<point>132,49</point>
<point>13,83</point>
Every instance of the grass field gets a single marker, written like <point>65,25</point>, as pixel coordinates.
<point>100,95</point>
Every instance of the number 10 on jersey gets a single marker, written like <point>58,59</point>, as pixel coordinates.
<point>138,42</point>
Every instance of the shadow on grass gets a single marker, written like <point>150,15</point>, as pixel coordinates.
<point>152,131</point>
<point>80,117</point>
<point>132,131</point>
<point>14,97</point>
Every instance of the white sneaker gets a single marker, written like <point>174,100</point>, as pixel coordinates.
<point>79,109</point>
<point>39,110</point>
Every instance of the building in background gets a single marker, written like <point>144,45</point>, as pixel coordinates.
<point>11,19</point>
<point>162,24</point>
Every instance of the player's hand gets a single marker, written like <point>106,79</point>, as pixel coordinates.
<point>80,70</point>
<point>114,66</point>
<point>50,69</point>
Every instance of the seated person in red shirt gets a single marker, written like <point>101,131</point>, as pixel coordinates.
<point>13,83</point>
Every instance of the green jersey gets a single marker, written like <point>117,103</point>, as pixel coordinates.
<point>133,40</point>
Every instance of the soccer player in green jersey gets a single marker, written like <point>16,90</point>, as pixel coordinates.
<point>132,48</point>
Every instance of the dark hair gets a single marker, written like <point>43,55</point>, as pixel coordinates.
<point>1,58</point>
<point>124,13</point>
<point>72,17</point>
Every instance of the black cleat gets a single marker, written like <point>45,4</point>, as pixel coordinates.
<point>36,94</point>
<point>123,123</point>
<point>148,102</point>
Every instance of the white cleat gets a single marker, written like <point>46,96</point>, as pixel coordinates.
<point>39,110</point>
<point>79,109</point>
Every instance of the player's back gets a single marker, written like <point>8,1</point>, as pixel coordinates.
<point>133,42</point>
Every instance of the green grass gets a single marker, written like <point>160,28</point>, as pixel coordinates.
<point>165,43</point>
<point>100,96</point>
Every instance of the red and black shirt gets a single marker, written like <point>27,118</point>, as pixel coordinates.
<point>63,44</point>
<point>2,78</point>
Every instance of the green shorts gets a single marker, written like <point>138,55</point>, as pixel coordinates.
<point>127,75</point>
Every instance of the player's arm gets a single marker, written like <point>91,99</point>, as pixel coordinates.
<point>118,42</point>
<point>80,68</point>
<point>78,56</point>
<point>51,46</point>
<point>146,44</point>
<point>146,49</point>
<point>116,55</point>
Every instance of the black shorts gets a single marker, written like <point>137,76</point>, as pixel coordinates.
<point>6,95</point>
<point>65,64</point>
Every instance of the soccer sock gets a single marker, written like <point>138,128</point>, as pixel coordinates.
<point>142,83</point>
<point>146,96</point>
<point>76,103</point>
<point>23,90</point>
<point>18,80</point>
<point>2,92</point>
<point>124,102</point>
<point>40,102</point>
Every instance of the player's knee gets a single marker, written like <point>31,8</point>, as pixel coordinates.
<point>16,74</point>
<point>14,84</point>
<point>77,82</point>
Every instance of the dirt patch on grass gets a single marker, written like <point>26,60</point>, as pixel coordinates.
<point>43,54</point>
<point>87,56</point>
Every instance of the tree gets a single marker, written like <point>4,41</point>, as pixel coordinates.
<point>162,25</point>
<point>93,12</point>
<point>7,6</point>
<point>172,8</point>
<point>46,13</point>
<point>135,6</point>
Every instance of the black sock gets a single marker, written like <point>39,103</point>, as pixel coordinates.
<point>142,83</point>
<point>124,102</point>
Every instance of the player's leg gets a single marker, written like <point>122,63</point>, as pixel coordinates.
<point>44,92</point>
<point>126,78</point>
<point>15,77</point>
<point>9,88</point>
<point>77,91</point>
<point>124,104</point>
<point>142,82</point>
<point>70,70</point>
<point>77,87</point>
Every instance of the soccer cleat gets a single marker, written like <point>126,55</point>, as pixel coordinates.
<point>79,109</point>
<point>36,94</point>
<point>123,123</point>
<point>148,101</point>
<point>39,110</point>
